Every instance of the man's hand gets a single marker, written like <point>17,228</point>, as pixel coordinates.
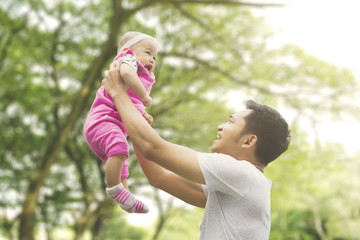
<point>113,82</point>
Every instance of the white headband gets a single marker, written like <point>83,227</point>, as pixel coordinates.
<point>135,40</point>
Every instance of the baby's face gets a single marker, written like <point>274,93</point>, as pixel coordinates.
<point>146,51</point>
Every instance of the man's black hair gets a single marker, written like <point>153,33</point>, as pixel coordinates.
<point>271,129</point>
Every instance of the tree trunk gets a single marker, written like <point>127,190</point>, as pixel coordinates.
<point>92,217</point>
<point>164,214</point>
<point>319,227</point>
<point>27,217</point>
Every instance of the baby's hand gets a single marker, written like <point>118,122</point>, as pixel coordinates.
<point>146,100</point>
<point>148,118</point>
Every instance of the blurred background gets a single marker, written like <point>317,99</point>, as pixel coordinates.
<point>301,57</point>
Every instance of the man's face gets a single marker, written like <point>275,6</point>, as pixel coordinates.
<point>146,51</point>
<point>229,134</point>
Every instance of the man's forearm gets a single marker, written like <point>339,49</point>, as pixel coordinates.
<point>171,183</point>
<point>140,132</point>
<point>152,171</point>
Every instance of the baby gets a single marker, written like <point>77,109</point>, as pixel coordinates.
<point>104,130</point>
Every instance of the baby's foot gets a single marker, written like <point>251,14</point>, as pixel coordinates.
<point>126,200</point>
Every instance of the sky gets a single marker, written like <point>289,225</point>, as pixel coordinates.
<point>328,29</point>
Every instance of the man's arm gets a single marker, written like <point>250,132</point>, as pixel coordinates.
<point>176,158</point>
<point>171,183</point>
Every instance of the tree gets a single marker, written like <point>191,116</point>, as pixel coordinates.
<point>310,186</point>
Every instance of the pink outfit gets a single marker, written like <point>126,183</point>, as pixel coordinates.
<point>104,130</point>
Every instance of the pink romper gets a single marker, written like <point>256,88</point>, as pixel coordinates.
<point>104,131</point>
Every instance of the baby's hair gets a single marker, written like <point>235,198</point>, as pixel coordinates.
<point>126,37</point>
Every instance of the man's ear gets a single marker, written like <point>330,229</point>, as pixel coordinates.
<point>249,141</point>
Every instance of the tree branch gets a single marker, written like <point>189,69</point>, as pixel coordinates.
<point>227,2</point>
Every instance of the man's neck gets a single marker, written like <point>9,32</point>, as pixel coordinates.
<point>256,164</point>
<point>260,167</point>
<point>250,158</point>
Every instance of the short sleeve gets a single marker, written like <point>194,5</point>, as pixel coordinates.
<point>131,60</point>
<point>206,192</point>
<point>225,174</point>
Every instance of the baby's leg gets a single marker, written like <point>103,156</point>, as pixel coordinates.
<point>124,183</point>
<point>119,192</point>
<point>113,167</point>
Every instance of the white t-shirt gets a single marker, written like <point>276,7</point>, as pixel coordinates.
<point>238,199</point>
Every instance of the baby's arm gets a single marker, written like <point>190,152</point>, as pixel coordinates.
<point>132,80</point>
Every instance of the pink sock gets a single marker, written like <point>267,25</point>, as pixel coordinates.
<point>126,200</point>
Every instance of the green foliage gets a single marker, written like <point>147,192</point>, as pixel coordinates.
<point>183,224</point>
<point>313,193</point>
<point>118,228</point>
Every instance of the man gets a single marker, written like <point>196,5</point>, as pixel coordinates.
<point>229,182</point>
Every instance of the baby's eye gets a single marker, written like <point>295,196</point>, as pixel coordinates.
<point>147,52</point>
<point>154,58</point>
